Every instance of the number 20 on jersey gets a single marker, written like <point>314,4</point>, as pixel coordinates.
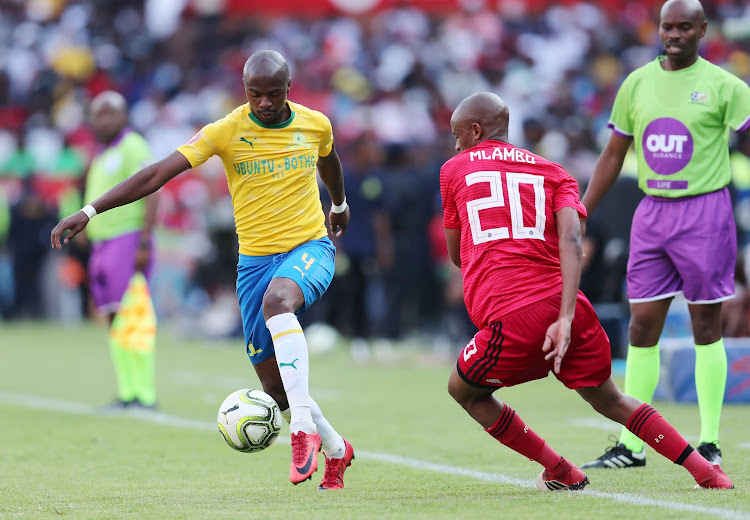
<point>497,200</point>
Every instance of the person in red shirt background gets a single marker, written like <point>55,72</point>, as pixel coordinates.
<point>512,223</point>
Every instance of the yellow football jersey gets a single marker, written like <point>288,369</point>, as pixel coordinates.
<point>271,172</point>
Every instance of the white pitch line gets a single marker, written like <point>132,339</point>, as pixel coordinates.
<point>56,405</point>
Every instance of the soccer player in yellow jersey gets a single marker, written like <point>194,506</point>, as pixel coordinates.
<point>270,148</point>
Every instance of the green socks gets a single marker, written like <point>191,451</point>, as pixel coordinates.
<point>121,357</point>
<point>641,378</point>
<point>134,370</point>
<point>145,384</point>
<point>710,381</point>
<point>132,341</point>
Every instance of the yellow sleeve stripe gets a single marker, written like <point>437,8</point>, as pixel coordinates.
<point>293,331</point>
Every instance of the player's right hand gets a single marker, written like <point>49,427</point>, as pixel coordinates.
<point>338,222</point>
<point>556,342</point>
<point>75,223</point>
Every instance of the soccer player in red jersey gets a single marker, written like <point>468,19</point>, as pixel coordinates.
<point>513,225</point>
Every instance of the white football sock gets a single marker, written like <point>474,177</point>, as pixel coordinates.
<point>291,356</point>
<point>331,442</point>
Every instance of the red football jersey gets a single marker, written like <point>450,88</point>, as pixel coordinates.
<point>504,199</point>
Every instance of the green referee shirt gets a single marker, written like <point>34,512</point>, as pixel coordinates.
<point>121,159</point>
<point>680,122</point>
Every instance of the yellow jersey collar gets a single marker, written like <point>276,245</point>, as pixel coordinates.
<point>283,124</point>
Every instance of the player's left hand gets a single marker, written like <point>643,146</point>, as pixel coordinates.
<point>338,222</point>
<point>75,223</point>
<point>556,342</point>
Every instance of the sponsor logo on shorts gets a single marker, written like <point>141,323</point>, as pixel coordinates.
<point>667,145</point>
<point>493,380</point>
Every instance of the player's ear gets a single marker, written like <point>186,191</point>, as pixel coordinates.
<point>476,129</point>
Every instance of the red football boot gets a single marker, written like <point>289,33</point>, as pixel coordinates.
<point>333,478</point>
<point>564,476</point>
<point>305,448</point>
<point>717,480</point>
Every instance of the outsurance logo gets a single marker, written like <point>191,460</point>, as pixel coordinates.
<point>667,145</point>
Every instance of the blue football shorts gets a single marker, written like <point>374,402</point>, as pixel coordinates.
<point>310,265</point>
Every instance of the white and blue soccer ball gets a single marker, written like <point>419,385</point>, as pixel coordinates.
<point>249,420</point>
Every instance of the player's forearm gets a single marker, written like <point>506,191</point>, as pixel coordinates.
<point>605,174</point>
<point>453,243</point>
<point>332,175</point>
<point>333,178</point>
<point>571,259</point>
<point>607,170</point>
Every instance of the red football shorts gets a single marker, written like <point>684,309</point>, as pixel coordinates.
<point>509,352</point>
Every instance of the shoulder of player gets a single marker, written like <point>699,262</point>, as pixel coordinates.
<point>302,112</point>
<point>455,161</point>
<point>722,74</point>
<point>238,114</point>
<point>549,169</point>
<point>635,76</point>
<point>227,125</point>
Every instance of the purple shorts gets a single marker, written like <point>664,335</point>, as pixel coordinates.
<point>684,245</point>
<point>111,266</point>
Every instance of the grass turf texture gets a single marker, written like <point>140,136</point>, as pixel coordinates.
<point>66,460</point>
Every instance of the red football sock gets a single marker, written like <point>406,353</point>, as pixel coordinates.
<point>513,432</point>
<point>654,430</point>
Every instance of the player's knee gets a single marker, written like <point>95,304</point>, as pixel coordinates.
<point>455,390</point>
<point>276,302</point>
<point>462,393</point>
<point>642,332</point>
<point>612,406</point>
<point>706,333</point>
<point>605,399</point>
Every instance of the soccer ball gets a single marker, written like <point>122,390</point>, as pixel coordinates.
<point>249,420</point>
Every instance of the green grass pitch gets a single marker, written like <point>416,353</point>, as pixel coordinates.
<point>418,455</point>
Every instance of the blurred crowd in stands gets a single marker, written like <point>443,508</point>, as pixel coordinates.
<point>388,79</point>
